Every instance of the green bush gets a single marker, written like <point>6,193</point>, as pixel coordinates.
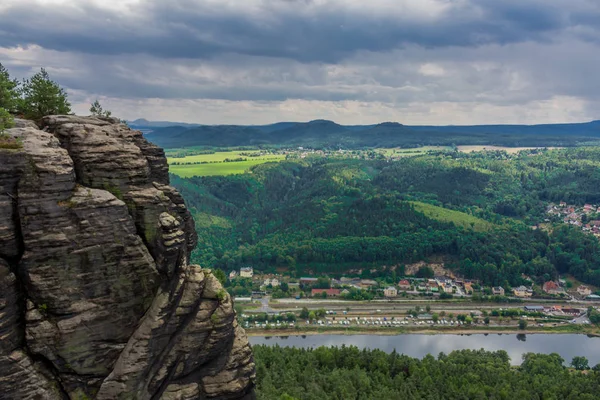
<point>221,295</point>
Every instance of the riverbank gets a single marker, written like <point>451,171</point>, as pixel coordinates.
<point>305,331</point>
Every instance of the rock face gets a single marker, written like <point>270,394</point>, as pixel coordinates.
<point>97,299</point>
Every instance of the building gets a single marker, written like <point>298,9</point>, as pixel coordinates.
<point>233,275</point>
<point>468,287</point>
<point>593,297</point>
<point>447,288</point>
<point>308,281</point>
<point>367,283</point>
<point>330,292</point>
<point>522,291</point>
<point>498,291</point>
<point>390,291</point>
<point>584,291</point>
<point>534,308</point>
<point>404,284</point>
<point>551,287</point>
<point>273,282</point>
<point>246,272</point>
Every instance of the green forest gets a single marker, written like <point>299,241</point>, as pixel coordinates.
<point>349,373</point>
<point>476,212</point>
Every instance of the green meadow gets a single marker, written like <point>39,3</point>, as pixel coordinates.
<point>456,217</point>
<point>214,163</point>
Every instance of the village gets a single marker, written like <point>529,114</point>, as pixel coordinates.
<point>587,217</point>
<point>445,288</point>
<point>281,302</point>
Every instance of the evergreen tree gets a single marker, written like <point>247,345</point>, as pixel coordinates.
<point>6,120</point>
<point>40,96</point>
<point>97,110</point>
<point>8,91</point>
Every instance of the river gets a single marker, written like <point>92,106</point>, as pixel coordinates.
<point>568,346</point>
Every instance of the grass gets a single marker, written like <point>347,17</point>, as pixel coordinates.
<point>9,143</point>
<point>411,151</point>
<point>218,156</point>
<point>456,217</point>
<point>215,165</point>
<point>204,220</point>
<point>223,168</point>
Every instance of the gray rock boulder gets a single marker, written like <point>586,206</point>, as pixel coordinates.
<point>97,298</point>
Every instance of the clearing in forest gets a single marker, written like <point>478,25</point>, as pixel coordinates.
<point>456,217</point>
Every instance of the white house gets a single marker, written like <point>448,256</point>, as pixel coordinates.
<point>273,282</point>
<point>584,291</point>
<point>390,291</point>
<point>232,275</point>
<point>246,272</point>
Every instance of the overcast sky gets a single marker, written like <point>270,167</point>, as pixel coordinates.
<point>352,61</point>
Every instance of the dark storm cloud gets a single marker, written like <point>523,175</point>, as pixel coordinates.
<point>307,31</point>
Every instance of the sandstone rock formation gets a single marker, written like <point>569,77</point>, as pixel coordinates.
<point>97,300</point>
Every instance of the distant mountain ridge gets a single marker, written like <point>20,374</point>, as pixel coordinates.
<point>325,133</point>
<point>144,123</point>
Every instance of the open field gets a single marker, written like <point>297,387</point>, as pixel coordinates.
<point>398,152</point>
<point>218,156</point>
<point>222,168</point>
<point>214,164</point>
<point>456,217</point>
<point>510,150</point>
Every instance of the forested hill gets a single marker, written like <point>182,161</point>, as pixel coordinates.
<point>328,134</point>
<point>473,211</point>
<point>349,373</point>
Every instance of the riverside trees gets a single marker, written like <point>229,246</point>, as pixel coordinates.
<point>349,373</point>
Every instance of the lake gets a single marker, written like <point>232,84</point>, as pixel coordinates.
<point>568,346</point>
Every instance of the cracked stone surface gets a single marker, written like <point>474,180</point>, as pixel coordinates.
<point>97,298</point>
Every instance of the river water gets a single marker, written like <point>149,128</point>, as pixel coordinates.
<point>418,346</point>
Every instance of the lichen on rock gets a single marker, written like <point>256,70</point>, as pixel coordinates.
<point>97,297</point>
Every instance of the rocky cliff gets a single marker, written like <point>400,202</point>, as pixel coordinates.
<point>97,300</point>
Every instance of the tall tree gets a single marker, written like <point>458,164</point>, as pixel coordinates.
<point>8,90</point>
<point>41,96</point>
<point>6,120</point>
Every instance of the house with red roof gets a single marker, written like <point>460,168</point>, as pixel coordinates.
<point>552,287</point>
<point>330,292</point>
<point>404,284</point>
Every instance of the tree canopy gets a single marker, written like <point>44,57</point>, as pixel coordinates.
<point>41,96</point>
<point>349,373</point>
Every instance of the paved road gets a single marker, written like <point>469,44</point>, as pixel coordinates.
<point>264,306</point>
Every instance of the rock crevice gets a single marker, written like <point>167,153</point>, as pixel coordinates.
<point>94,274</point>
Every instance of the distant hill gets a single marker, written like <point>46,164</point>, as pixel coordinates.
<point>144,123</point>
<point>328,134</point>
